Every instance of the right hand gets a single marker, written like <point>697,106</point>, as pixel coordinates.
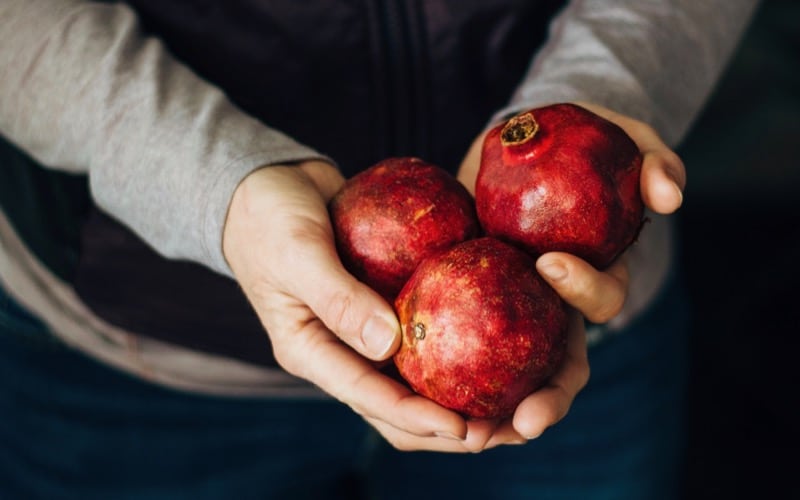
<point>325,326</point>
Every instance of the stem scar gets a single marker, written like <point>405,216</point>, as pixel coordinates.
<point>519,130</point>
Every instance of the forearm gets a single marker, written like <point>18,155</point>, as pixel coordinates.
<point>652,60</point>
<point>83,90</point>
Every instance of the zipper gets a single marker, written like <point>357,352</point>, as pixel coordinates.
<point>401,86</point>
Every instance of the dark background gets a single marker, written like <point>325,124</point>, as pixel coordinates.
<point>740,243</point>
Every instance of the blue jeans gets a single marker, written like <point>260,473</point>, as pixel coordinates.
<point>72,428</point>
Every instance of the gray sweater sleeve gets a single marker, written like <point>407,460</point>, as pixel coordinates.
<point>654,60</point>
<point>81,89</point>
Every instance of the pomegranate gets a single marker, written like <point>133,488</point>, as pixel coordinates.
<point>389,217</point>
<point>561,178</point>
<point>481,329</point>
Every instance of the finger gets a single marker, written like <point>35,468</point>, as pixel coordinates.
<point>505,434</point>
<point>468,171</point>
<point>354,312</point>
<point>325,176</point>
<point>550,404</point>
<point>598,295</point>
<point>663,176</point>
<point>315,354</point>
<point>479,433</point>
<point>662,181</point>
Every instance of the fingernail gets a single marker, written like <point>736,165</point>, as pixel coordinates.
<point>378,336</point>
<point>679,194</point>
<point>532,436</point>
<point>556,271</point>
<point>448,435</point>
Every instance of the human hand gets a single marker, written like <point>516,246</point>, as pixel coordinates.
<point>597,295</point>
<point>324,325</point>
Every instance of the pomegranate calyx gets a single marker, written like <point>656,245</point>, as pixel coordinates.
<point>519,130</point>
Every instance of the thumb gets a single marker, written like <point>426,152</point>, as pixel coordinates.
<point>358,315</point>
<point>278,239</point>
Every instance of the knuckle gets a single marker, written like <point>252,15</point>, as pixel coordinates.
<point>293,348</point>
<point>395,438</point>
<point>471,447</point>
<point>401,445</point>
<point>338,312</point>
<point>405,447</point>
<point>548,414</point>
<point>559,411</point>
<point>286,359</point>
<point>659,161</point>
<point>600,297</point>
<point>356,405</point>
<point>666,160</point>
<point>609,309</point>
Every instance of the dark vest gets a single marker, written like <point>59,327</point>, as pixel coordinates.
<point>357,80</point>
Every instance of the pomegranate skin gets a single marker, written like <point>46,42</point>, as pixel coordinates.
<point>561,178</point>
<point>389,217</point>
<point>480,328</point>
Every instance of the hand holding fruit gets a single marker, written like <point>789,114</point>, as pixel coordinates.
<point>595,294</point>
<point>480,335</point>
<point>324,325</point>
<point>279,243</point>
<point>600,294</point>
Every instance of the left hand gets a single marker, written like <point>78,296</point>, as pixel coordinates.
<point>593,294</point>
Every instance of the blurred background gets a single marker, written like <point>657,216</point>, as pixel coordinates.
<point>740,247</point>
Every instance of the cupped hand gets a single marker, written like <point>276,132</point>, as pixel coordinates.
<point>597,295</point>
<point>324,325</point>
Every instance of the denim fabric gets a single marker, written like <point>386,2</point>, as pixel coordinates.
<point>72,428</point>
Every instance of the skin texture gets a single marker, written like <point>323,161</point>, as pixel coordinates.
<point>481,329</point>
<point>279,244</point>
<point>386,219</point>
<point>560,178</point>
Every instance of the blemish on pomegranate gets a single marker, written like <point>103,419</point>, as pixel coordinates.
<point>422,212</point>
